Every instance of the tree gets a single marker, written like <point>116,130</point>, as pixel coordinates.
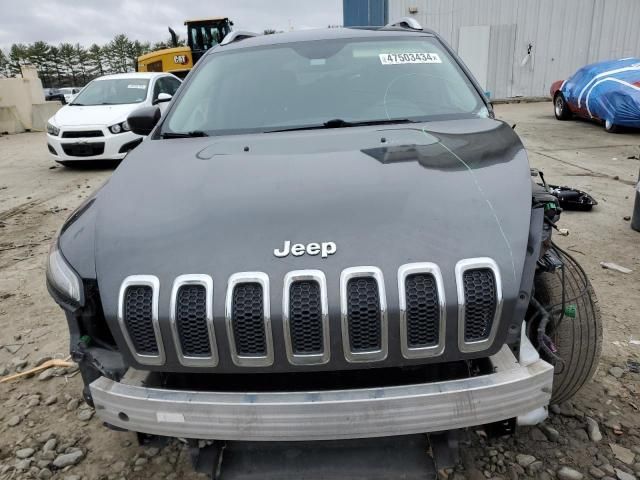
<point>17,57</point>
<point>38,54</point>
<point>168,43</point>
<point>137,49</point>
<point>4,64</point>
<point>55,65</point>
<point>69,63</point>
<point>96,61</point>
<point>269,31</point>
<point>82,59</point>
<point>119,53</point>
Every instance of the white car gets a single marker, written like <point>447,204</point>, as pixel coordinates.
<point>94,125</point>
<point>69,93</point>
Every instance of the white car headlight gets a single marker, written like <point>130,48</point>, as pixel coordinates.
<point>120,128</point>
<point>61,277</point>
<point>52,129</point>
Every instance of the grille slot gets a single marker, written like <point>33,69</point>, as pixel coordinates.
<point>138,315</point>
<point>248,319</point>
<point>191,316</point>
<point>138,318</point>
<point>423,310</point>
<point>479,288</point>
<point>364,314</point>
<point>192,320</point>
<point>305,319</point>
<point>305,315</point>
<point>480,303</point>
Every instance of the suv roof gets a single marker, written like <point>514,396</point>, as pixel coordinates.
<point>323,34</point>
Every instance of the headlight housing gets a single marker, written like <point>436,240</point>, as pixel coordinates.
<point>52,129</point>
<point>120,127</point>
<point>62,278</point>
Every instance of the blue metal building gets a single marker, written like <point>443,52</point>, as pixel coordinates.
<point>361,13</point>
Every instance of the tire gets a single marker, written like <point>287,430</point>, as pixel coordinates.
<point>610,127</point>
<point>579,339</point>
<point>560,107</point>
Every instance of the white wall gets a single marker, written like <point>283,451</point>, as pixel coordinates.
<point>565,35</point>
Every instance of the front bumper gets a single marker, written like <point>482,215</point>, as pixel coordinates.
<point>513,390</point>
<point>111,146</point>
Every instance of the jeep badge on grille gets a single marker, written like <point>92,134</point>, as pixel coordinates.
<point>298,249</point>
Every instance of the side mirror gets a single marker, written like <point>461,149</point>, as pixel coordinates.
<point>162,97</point>
<point>143,120</point>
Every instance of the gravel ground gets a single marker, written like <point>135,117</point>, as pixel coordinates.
<point>46,431</point>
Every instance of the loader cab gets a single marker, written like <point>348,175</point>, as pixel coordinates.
<point>203,35</point>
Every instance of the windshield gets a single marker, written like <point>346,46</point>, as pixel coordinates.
<point>313,83</point>
<point>115,91</point>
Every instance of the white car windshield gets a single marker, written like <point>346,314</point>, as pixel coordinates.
<point>308,84</point>
<point>116,91</point>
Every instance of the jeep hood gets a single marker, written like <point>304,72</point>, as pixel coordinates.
<point>434,192</point>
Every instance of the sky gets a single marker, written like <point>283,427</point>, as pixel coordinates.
<point>98,21</point>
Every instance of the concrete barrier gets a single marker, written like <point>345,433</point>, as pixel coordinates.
<point>41,112</point>
<point>10,121</point>
<point>22,103</point>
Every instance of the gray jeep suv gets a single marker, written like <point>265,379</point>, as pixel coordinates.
<point>328,235</point>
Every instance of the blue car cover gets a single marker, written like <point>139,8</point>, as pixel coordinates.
<point>608,91</point>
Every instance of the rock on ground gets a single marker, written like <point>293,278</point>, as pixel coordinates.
<point>593,429</point>
<point>622,453</point>
<point>25,453</point>
<point>67,459</point>
<point>566,473</point>
<point>621,475</point>
<point>525,460</point>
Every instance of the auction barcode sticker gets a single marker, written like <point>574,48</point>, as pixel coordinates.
<point>410,57</point>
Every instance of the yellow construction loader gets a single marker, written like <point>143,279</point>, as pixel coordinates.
<point>202,35</point>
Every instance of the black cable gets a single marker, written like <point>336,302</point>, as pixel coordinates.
<point>542,332</point>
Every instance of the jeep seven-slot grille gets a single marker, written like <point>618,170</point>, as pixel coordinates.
<point>423,310</point>
<point>363,314</point>
<point>480,303</point>
<point>305,317</point>
<point>138,316</point>
<point>247,317</point>
<point>191,320</point>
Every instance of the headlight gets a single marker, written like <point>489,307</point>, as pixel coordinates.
<point>52,129</point>
<point>120,127</point>
<point>62,277</point>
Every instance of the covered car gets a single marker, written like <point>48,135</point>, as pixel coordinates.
<point>608,92</point>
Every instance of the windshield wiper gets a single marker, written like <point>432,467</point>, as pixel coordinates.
<point>340,123</point>
<point>194,133</point>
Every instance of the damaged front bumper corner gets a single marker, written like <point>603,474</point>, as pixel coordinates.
<point>513,390</point>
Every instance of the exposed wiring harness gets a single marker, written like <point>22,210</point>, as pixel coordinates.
<point>549,317</point>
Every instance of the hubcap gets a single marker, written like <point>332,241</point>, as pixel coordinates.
<point>608,124</point>
<point>559,106</point>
